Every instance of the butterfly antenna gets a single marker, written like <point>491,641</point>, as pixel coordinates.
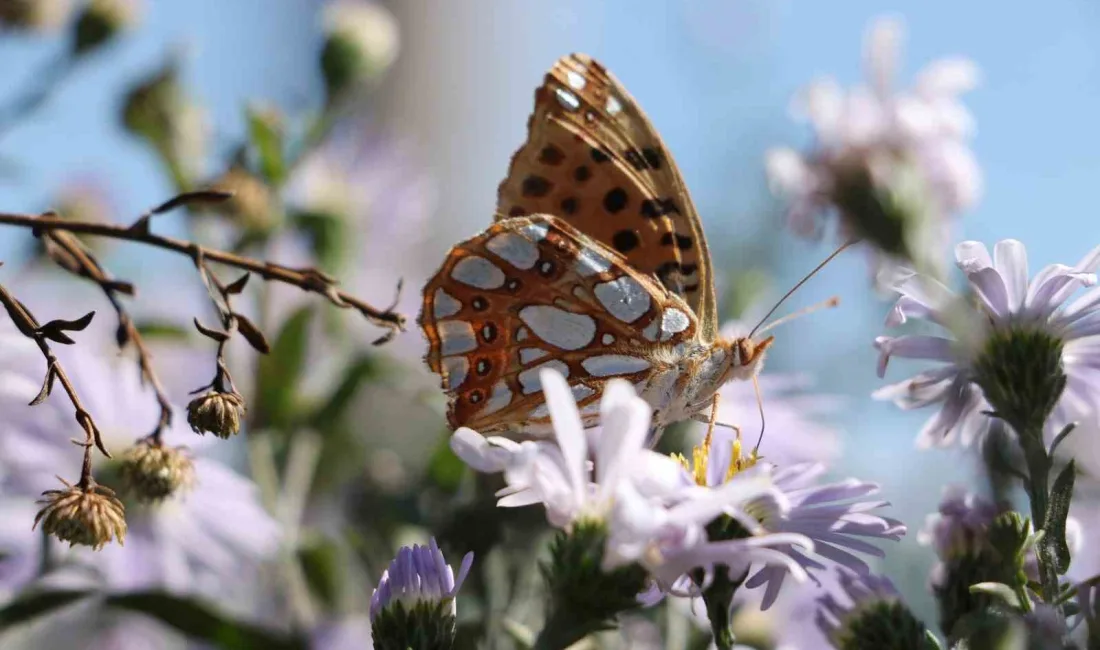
<point>824,304</point>
<point>760,407</point>
<point>799,284</point>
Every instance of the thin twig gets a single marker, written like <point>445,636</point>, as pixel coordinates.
<point>65,249</point>
<point>307,279</point>
<point>221,298</point>
<point>28,325</point>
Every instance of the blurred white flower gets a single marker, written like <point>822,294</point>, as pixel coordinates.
<point>363,41</point>
<point>894,165</point>
<point>208,540</point>
<point>1006,310</point>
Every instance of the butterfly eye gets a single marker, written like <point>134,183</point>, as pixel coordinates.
<point>475,396</point>
<point>483,367</point>
<point>546,268</point>
<point>479,304</point>
<point>488,332</point>
<point>513,285</point>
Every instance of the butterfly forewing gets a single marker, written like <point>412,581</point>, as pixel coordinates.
<point>532,293</point>
<point>593,159</point>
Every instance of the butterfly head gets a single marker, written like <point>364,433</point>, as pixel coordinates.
<point>747,356</point>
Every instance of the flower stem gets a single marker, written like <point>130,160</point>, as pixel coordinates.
<point>718,597</point>
<point>1038,492</point>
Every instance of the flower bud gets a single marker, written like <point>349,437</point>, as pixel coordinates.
<point>362,42</point>
<point>152,472</point>
<point>101,21</point>
<point>414,603</point>
<point>217,412</point>
<point>88,515</point>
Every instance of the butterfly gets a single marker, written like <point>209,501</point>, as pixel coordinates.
<point>596,266</point>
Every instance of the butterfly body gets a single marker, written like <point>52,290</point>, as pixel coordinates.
<point>596,267</point>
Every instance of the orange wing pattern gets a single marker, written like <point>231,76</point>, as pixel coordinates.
<point>534,292</point>
<point>593,159</point>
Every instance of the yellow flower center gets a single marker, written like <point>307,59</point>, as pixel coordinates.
<point>700,459</point>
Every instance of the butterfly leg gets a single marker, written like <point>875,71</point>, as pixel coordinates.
<point>712,420</point>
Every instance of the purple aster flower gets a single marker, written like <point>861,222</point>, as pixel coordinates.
<point>1007,310</point>
<point>419,574</point>
<point>837,517</point>
<point>415,599</point>
<point>823,523</point>
<point>893,164</point>
<point>207,540</point>
<point>867,608</point>
<point>960,525</point>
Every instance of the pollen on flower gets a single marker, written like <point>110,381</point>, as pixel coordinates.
<point>701,457</point>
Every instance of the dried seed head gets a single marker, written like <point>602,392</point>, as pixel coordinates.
<point>254,206</point>
<point>216,412</point>
<point>89,516</point>
<point>152,472</point>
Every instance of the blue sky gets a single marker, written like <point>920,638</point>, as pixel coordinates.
<point>715,77</point>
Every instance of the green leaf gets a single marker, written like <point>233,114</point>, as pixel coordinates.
<point>444,468</point>
<point>1062,435</point>
<point>267,138</point>
<point>280,372</point>
<point>328,236</point>
<point>322,565</point>
<point>34,604</point>
<point>164,330</point>
<point>363,369</point>
<point>1055,526</point>
<point>201,621</point>
<point>932,641</point>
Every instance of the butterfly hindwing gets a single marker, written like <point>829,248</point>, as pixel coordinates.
<point>593,159</point>
<point>533,292</point>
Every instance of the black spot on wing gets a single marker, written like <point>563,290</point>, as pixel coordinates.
<point>615,200</point>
